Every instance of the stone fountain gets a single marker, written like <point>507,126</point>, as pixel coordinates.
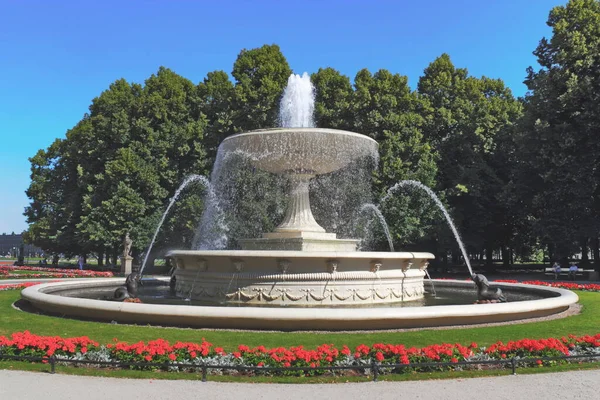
<point>299,264</point>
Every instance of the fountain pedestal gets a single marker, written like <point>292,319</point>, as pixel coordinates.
<point>299,230</point>
<point>126,265</point>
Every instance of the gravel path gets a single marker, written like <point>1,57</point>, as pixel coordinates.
<point>563,385</point>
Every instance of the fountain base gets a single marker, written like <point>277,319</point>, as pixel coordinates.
<point>299,278</point>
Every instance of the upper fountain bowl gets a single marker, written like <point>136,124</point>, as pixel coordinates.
<point>311,151</point>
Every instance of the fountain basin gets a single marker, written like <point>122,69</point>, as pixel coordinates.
<point>312,151</point>
<point>299,278</point>
<point>47,298</point>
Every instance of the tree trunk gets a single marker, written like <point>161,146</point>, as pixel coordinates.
<point>55,260</point>
<point>489,254</point>
<point>585,260</point>
<point>505,257</point>
<point>101,259</point>
<point>551,255</point>
<point>596,252</point>
<point>115,257</point>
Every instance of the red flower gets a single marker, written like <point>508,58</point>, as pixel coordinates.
<point>172,357</point>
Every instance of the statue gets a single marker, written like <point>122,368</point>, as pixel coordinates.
<point>130,289</point>
<point>484,294</point>
<point>127,245</point>
<point>126,260</point>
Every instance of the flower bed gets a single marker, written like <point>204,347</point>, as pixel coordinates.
<point>6,272</point>
<point>18,286</point>
<point>588,287</point>
<point>162,352</point>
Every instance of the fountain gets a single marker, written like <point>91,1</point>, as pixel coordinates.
<point>299,276</point>
<point>299,264</point>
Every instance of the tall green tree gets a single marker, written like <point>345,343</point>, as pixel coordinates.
<point>465,118</point>
<point>333,99</point>
<point>216,97</point>
<point>560,147</point>
<point>384,108</point>
<point>116,170</point>
<point>261,74</point>
<point>49,212</point>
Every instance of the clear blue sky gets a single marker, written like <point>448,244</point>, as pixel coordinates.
<point>56,56</point>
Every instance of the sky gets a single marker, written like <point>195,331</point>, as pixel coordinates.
<point>56,56</point>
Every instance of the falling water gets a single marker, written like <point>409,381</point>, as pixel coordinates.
<point>438,202</point>
<point>189,298</point>
<point>298,103</point>
<point>431,281</point>
<point>211,233</point>
<point>186,181</point>
<point>382,221</point>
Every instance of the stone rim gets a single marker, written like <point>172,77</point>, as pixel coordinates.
<point>317,318</point>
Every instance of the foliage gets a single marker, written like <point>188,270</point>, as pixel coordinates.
<point>558,142</point>
<point>468,123</point>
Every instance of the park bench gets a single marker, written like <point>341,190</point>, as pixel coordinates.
<point>584,273</point>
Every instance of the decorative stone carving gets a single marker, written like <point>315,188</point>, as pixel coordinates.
<point>238,265</point>
<point>424,265</point>
<point>332,266</point>
<point>308,295</point>
<point>271,278</point>
<point>202,265</point>
<point>283,265</point>
<point>376,266</point>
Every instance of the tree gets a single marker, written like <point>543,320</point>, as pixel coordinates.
<point>216,96</point>
<point>48,214</point>
<point>261,75</point>
<point>559,130</point>
<point>333,97</point>
<point>386,109</point>
<point>113,173</point>
<point>465,118</point>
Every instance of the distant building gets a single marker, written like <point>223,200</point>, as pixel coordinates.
<point>10,243</point>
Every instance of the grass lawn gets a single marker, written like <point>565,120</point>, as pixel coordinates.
<point>21,272</point>
<point>12,320</point>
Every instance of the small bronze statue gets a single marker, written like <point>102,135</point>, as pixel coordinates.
<point>484,294</point>
<point>131,287</point>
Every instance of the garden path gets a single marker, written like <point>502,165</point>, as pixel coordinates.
<point>23,385</point>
